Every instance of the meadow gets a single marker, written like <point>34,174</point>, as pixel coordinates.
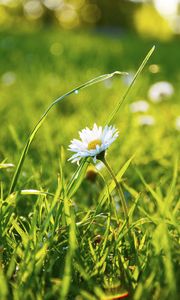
<point>63,233</point>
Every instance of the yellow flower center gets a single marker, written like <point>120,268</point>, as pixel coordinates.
<point>92,145</point>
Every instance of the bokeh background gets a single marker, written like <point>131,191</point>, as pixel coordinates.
<point>154,18</point>
<point>48,47</point>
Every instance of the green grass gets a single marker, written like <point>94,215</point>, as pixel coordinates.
<point>68,239</point>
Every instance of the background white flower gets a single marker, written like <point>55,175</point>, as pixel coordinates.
<point>92,142</point>
<point>8,78</point>
<point>127,79</point>
<point>154,68</point>
<point>139,106</point>
<point>146,120</point>
<point>160,91</point>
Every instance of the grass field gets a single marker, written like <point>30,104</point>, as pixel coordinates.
<point>64,236</point>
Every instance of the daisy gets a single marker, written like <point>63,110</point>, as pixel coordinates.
<point>160,90</point>
<point>8,78</point>
<point>146,120</point>
<point>92,142</point>
<point>139,106</point>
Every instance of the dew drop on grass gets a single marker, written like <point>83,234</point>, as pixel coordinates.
<point>76,92</point>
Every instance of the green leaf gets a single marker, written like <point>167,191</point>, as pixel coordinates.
<point>21,232</point>
<point>3,285</point>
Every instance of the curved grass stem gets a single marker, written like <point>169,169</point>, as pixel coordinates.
<point>43,117</point>
<point>119,190</point>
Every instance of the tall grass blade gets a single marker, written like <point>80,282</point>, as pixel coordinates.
<point>68,261</point>
<point>43,117</point>
<point>172,187</point>
<point>119,103</point>
<point>111,187</point>
<point>77,178</point>
<point>3,285</point>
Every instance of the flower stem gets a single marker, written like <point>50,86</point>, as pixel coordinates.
<point>119,189</point>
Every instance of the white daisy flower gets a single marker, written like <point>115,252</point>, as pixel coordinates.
<point>146,120</point>
<point>139,106</point>
<point>160,90</point>
<point>8,78</point>
<point>93,142</point>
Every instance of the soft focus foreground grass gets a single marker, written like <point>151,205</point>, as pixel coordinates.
<point>51,246</point>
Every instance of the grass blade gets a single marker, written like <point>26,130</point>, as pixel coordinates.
<point>111,187</point>
<point>68,261</point>
<point>43,117</point>
<point>77,178</point>
<point>119,103</point>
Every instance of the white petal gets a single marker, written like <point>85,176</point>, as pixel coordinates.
<point>106,135</point>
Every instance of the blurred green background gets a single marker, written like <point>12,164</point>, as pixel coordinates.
<point>156,18</point>
<point>51,46</point>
